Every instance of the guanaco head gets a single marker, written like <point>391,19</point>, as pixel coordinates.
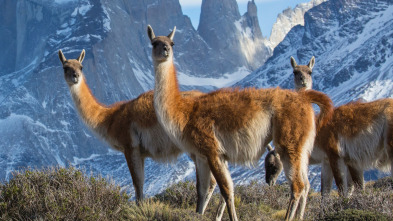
<point>162,45</point>
<point>302,74</point>
<point>273,166</point>
<point>72,68</point>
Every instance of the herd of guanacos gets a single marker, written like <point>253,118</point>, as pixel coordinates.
<point>236,126</point>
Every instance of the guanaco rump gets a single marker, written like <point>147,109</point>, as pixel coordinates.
<point>302,80</point>
<point>235,125</point>
<point>130,127</point>
<point>358,137</point>
<point>273,166</point>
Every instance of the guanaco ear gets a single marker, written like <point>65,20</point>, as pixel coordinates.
<point>150,33</point>
<point>82,56</point>
<point>170,36</point>
<point>62,57</point>
<point>311,63</point>
<point>293,62</point>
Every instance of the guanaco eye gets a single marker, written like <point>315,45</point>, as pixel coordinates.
<point>172,43</point>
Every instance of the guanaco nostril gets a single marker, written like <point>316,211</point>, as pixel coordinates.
<point>75,78</point>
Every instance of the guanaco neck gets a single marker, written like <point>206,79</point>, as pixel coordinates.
<point>168,102</point>
<point>91,111</point>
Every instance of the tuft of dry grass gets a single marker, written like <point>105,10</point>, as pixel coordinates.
<point>153,209</point>
<point>60,194</point>
<point>180,195</point>
<point>370,204</point>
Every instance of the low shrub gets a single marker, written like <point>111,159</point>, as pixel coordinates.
<point>180,195</point>
<point>60,194</point>
<point>355,215</point>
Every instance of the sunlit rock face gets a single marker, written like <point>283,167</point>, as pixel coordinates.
<point>288,19</point>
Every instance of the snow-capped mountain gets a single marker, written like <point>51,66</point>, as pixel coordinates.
<point>352,42</point>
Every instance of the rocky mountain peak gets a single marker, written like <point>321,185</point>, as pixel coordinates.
<point>252,8</point>
<point>250,20</point>
<point>288,19</point>
<point>216,22</point>
<point>237,38</point>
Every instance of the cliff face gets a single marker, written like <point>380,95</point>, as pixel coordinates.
<point>236,39</point>
<point>288,19</point>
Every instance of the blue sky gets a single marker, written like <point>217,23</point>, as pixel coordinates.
<point>267,11</point>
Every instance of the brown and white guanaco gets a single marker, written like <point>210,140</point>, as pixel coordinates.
<point>235,125</point>
<point>130,127</point>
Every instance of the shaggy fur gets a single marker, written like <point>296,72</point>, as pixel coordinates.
<point>130,127</point>
<point>360,136</point>
<point>235,125</point>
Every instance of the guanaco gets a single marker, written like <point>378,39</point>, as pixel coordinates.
<point>130,127</point>
<point>235,125</point>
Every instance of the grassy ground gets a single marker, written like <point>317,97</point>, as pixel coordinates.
<point>70,194</point>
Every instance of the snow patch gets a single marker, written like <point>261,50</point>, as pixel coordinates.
<point>64,1</point>
<point>227,80</point>
<point>44,103</point>
<point>85,8</point>
<point>83,38</point>
<point>64,123</point>
<point>378,89</point>
<point>59,160</point>
<point>15,121</point>
<point>143,76</point>
<point>82,10</point>
<point>78,160</point>
<point>65,32</point>
<point>107,20</point>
